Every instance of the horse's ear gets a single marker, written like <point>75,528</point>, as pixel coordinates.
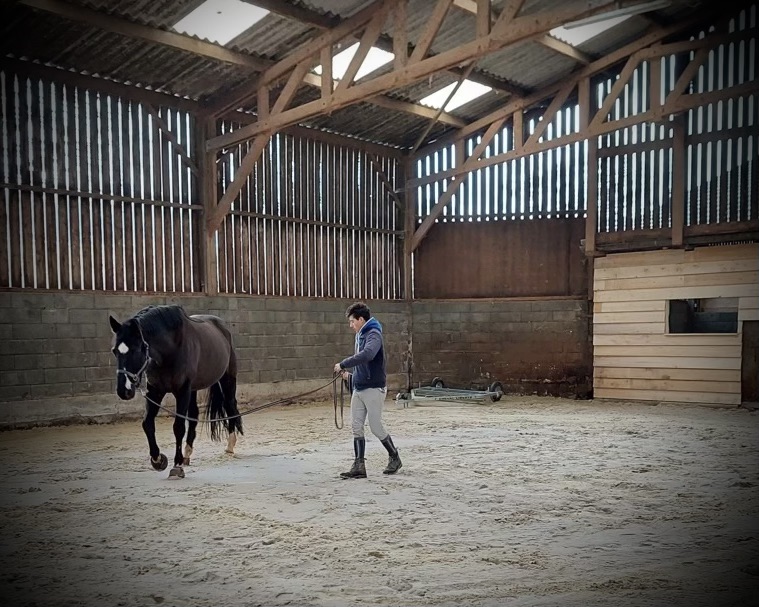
<point>115,324</point>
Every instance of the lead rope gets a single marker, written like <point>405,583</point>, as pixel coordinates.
<point>282,401</point>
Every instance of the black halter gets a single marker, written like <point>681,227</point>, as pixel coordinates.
<point>136,378</point>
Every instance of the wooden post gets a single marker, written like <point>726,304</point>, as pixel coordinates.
<point>409,221</point>
<point>208,195</point>
<point>591,217</point>
<point>678,181</point>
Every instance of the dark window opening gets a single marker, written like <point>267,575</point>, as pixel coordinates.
<point>711,315</point>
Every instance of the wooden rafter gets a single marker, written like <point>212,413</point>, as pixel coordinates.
<point>453,187</point>
<point>641,45</point>
<point>565,49</point>
<point>559,46</point>
<point>297,13</point>
<point>679,104</point>
<point>434,23</point>
<point>370,35</point>
<point>386,183</point>
<point>519,30</point>
<point>145,32</point>
<point>178,147</point>
<point>675,105</point>
<point>556,103</point>
<point>592,125</point>
<point>207,49</point>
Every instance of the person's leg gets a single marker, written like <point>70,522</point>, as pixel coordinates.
<point>375,401</point>
<point>358,419</point>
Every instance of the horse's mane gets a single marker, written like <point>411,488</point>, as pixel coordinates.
<point>155,320</point>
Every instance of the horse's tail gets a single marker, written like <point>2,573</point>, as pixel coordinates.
<point>223,405</point>
<point>215,409</point>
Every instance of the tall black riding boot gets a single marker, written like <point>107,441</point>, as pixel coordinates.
<point>358,469</point>
<point>394,463</point>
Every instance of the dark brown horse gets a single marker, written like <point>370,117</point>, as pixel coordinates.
<point>178,354</point>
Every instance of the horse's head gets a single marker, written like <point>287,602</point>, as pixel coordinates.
<point>132,356</point>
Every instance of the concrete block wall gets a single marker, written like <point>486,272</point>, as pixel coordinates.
<point>532,346</point>
<point>56,364</point>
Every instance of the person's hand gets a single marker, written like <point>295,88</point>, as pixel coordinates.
<point>337,368</point>
<point>346,375</point>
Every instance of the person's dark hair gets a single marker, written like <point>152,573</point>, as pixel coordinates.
<point>358,310</point>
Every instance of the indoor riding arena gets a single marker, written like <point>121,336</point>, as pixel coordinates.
<point>551,207</point>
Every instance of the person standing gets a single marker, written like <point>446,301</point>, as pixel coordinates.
<point>369,381</point>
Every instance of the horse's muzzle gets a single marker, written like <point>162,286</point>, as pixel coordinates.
<point>125,393</point>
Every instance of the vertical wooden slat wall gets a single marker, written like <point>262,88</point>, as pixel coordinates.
<point>544,185</point>
<point>95,196</point>
<point>314,219</point>
<point>635,163</point>
<point>634,356</point>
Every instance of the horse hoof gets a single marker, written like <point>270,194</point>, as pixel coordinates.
<point>176,473</point>
<point>186,461</point>
<point>161,463</point>
<point>230,451</point>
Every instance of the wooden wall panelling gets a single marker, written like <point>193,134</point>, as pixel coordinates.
<point>633,355</point>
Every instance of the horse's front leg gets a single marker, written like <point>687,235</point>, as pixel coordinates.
<point>183,404</point>
<point>192,412</point>
<point>153,398</point>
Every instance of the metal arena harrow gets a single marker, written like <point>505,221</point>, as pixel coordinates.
<point>437,391</point>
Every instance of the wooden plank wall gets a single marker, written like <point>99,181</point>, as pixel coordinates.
<point>96,191</point>
<point>502,259</point>
<point>634,358</point>
<point>314,219</point>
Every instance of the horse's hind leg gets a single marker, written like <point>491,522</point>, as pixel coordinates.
<point>234,425</point>
<point>183,404</point>
<point>192,412</point>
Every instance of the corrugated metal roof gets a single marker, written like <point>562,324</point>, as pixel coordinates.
<point>53,40</point>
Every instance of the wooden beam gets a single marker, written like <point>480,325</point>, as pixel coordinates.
<point>296,13</point>
<point>368,38</point>
<point>409,220</point>
<point>472,6</point>
<point>216,214</point>
<point>523,28</point>
<point>161,125</point>
<point>325,137</point>
<point>453,187</point>
<point>205,49</point>
<point>327,83</point>
<point>232,100</point>
<point>600,65</point>
<point>328,38</point>
<point>259,143</point>
<point>591,217</point>
<point>400,35</point>
<point>417,110</point>
<point>678,181</point>
<point>389,188</point>
<point>434,23</point>
<point>679,105</point>
<point>549,114</point>
<point>208,191</point>
<point>483,16</point>
<point>432,122</point>
<point>565,49</point>
<point>688,73</point>
<point>144,32</point>
<point>619,85</point>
